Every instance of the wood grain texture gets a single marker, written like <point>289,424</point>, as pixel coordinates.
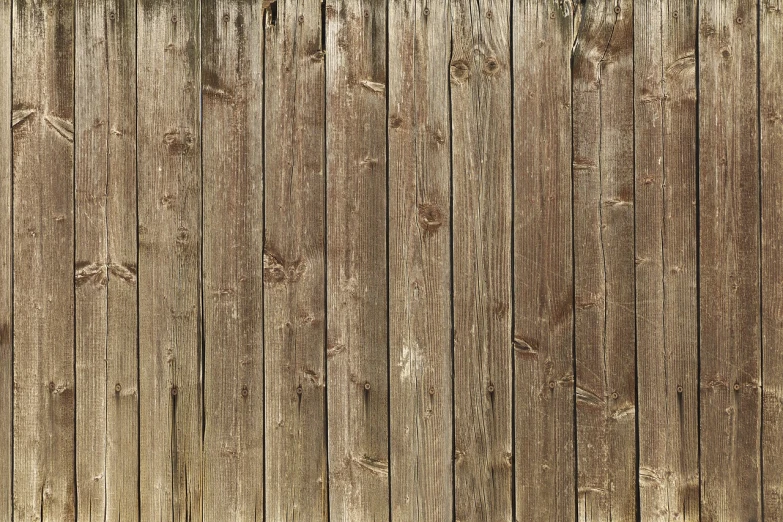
<point>603,170</point>
<point>729,262</point>
<point>105,280</point>
<point>170,200</point>
<point>666,295</point>
<point>420,261</point>
<point>232,124</point>
<point>480,79</point>
<point>356,274</point>
<point>294,264</point>
<point>543,280</point>
<point>42,119</point>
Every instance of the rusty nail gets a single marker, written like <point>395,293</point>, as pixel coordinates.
<point>736,386</point>
<point>226,17</point>
<point>51,386</point>
<point>299,390</point>
<point>491,388</point>
<point>174,391</point>
<point>301,19</point>
<point>432,390</point>
<point>617,9</point>
<point>367,386</point>
<point>244,391</point>
<point>367,14</point>
<point>426,11</point>
<point>111,15</point>
<point>489,14</point>
<point>739,20</point>
<point>614,395</point>
<point>675,14</point>
<point>117,387</point>
<point>552,14</point>
<point>679,389</point>
<point>552,385</point>
<point>174,19</point>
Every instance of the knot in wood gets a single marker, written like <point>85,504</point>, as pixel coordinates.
<point>460,72</point>
<point>430,217</point>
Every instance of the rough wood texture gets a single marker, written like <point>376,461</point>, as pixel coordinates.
<point>170,200</point>
<point>420,261</point>
<point>543,279</point>
<point>294,264</point>
<point>729,262</point>
<point>603,170</point>
<point>232,123</point>
<point>105,279</point>
<point>480,79</point>
<point>356,275</point>
<point>42,119</point>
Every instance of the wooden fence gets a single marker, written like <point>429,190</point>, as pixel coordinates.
<point>419,260</point>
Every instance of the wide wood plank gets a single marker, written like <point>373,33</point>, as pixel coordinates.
<point>482,208</point>
<point>666,296</point>
<point>420,261</point>
<point>42,119</point>
<point>356,274</point>
<point>295,263</point>
<point>603,170</point>
<point>543,279</point>
<point>170,200</point>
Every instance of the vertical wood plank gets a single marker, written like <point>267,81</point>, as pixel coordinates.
<point>356,274</point>
<point>543,277</point>
<point>231,87</point>
<point>603,173</point>
<point>666,235</point>
<point>729,262</point>
<point>480,78</point>
<point>771,115</point>
<point>42,75</point>
<point>170,199</point>
<point>294,263</point>
<point>6,276</point>
<point>420,261</point>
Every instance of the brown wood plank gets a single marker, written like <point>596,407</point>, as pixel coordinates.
<point>42,118</point>
<point>420,261</point>
<point>356,273</point>
<point>666,295</point>
<point>730,350</point>
<point>603,170</point>
<point>543,278</point>
<point>170,199</point>
<point>771,122</point>
<point>482,214</point>
<point>232,124</point>
<point>294,263</point>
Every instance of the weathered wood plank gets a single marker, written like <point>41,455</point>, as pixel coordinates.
<point>232,125</point>
<point>603,170</point>
<point>420,261</point>
<point>356,273</point>
<point>169,199</point>
<point>729,262</point>
<point>666,296</point>
<point>294,264</point>
<point>42,72</point>
<point>482,214</point>
<point>543,279</point>
<point>771,115</point>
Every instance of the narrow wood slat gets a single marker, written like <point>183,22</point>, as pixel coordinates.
<point>420,261</point>
<point>356,273</point>
<point>169,199</point>
<point>294,263</point>
<point>480,78</point>
<point>666,295</point>
<point>603,170</point>
<point>43,76</point>
<point>232,123</point>
<point>543,279</point>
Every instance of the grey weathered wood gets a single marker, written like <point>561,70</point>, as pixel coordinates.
<point>666,296</point>
<point>232,123</point>
<point>6,276</point>
<point>294,264</point>
<point>42,119</point>
<point>771,121</point>
<point>356,273</point>
<point>729,255</point>
<point>420,261</point>
<point>543,281</point>
<point>482,213</point>
<point>603,170</point>
<point>169,200</point>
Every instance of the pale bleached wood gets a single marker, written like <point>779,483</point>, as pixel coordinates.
<point>480,79</point>
<point>169,200</point>
<point>603,171</point>
<point>543,280</point>
<point>666,296</point>
<point>294,264</point>
<point>42,119</point>
<point>6,281</point>
<point>420,359</point>
<point>232,123</point>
